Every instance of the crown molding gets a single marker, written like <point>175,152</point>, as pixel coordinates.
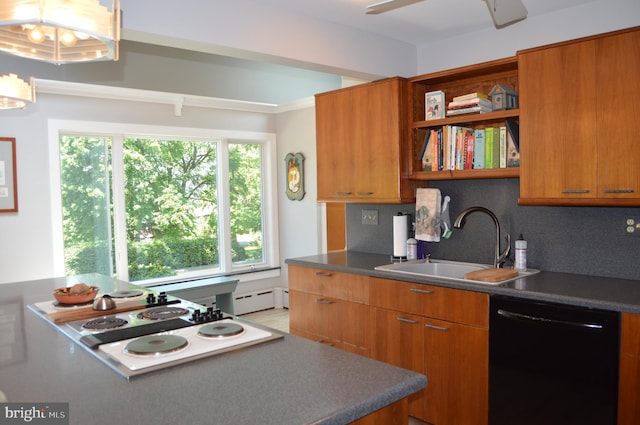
<point>179,101</point>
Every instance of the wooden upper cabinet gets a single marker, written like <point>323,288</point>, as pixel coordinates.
<point>618,73</point>
<point>359,135</point>
<point>576,129</point>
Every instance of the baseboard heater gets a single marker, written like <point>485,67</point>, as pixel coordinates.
<point>253,301</point>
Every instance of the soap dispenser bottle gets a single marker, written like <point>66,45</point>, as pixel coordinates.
<point>412,245</point>
<point>521,254</point>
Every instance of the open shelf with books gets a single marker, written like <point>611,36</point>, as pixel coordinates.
<point>456,83</point>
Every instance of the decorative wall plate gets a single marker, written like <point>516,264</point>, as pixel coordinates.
<point>294,168</point>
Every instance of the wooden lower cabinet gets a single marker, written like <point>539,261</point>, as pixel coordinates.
<point>442,333</point>
<point>454,357</point>
<point>323,319</point>
<point>399,340</point>
<point>394,414</point>
<point>629,385</point>
<point>457,367</point>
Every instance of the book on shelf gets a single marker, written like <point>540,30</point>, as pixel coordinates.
<point>434,105</point>
<point>470,96</point>
<point>479,109</point>
<point>478,149</point>
<point>469,102</point>
<point>513,143</point>
<point>503,147</point>
<point>426,154</point>
<point>488,147</point>
<point>469,148</point>
<point>495,155</point>
<point>455,147</point>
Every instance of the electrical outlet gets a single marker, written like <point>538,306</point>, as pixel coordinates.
<point>370,217</point>
<point>632,226</point>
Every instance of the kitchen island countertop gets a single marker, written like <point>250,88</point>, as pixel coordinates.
<point>573,289</point>
<point>286,381</point>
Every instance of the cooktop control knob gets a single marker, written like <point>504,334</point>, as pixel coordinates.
<point>210,315</point>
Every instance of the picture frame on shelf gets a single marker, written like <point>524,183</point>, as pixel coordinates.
<point>434,105</point>
<point>8,175</point>
<point>294,169</point>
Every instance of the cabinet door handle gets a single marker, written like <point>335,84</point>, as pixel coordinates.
<point>421,291</point>
<point>343,193</point>
<point>438,328</point>
<point>619,191</point>
<point>323,274</point>
<point>364,193</point>
<point>412,322</point>
<point>322,301</point>
<point>575,191</point>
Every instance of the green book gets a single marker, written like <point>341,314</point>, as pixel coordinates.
<point>496,148</point>
<point>488,147</point>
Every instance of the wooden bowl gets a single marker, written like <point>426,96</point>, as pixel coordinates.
<point>64,296</point>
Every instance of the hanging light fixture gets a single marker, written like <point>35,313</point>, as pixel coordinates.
<point>60,31</point>
<point>15,92</point>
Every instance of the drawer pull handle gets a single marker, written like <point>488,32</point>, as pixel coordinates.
<point>421,291</point>
<point>438,328</point>
<point>343,193</point>
<point>576,191</point>
<point>412,322</point>
<point>364,193</point>
<point>323,274</point>
<point>327,302</point>
<point>619,191</point>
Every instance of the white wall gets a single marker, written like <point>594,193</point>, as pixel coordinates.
<point>26,236</point>
<point>300,221</point>
<point>252,30</point>
<point>593,17</point>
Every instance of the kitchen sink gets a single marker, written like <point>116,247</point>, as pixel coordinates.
<point>444,269</point>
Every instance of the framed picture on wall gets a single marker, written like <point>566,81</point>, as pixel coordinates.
<point>8,175</point>
<point>294,168</point>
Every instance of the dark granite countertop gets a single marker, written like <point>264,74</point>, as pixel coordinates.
<point>287,381</point>
<point>580,290</point>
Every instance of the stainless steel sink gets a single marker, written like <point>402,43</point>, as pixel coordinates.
<point>443,269</point>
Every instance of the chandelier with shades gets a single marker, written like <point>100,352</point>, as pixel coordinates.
<point>60,31</point>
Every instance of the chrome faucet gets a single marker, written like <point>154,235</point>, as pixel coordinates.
<point>500,258</point>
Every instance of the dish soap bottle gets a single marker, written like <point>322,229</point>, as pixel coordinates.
<point>412,249</point>
<point>412,245</point>
<point>521,254</point>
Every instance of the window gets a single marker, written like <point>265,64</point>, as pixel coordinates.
<point>150,208</point>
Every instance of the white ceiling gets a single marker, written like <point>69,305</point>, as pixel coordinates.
<point>419,23</point>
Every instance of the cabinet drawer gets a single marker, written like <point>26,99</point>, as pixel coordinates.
<point>330,319</point>
<point>327,283</point>
<point>454,305</point>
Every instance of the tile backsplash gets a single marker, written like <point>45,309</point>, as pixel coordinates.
<point>581,240</point>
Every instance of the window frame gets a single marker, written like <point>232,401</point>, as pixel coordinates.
<point>118,132</point>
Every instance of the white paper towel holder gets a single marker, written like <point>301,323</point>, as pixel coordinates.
<point>400,232</point>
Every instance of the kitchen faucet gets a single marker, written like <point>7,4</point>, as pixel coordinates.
<point>500,258</point>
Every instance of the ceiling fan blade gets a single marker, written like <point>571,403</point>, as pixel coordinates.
<point>387,5</point>
<point>505,12</point>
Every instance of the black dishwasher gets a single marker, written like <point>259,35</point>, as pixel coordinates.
<point>552,364</point>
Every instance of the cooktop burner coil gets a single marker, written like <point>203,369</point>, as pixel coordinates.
<point>105,323</point>
<point>220,330</point>
<point>154,345</point>
<point>129,293</point>
<point>163,313</point>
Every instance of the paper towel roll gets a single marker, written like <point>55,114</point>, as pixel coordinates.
<point>400,235</point>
